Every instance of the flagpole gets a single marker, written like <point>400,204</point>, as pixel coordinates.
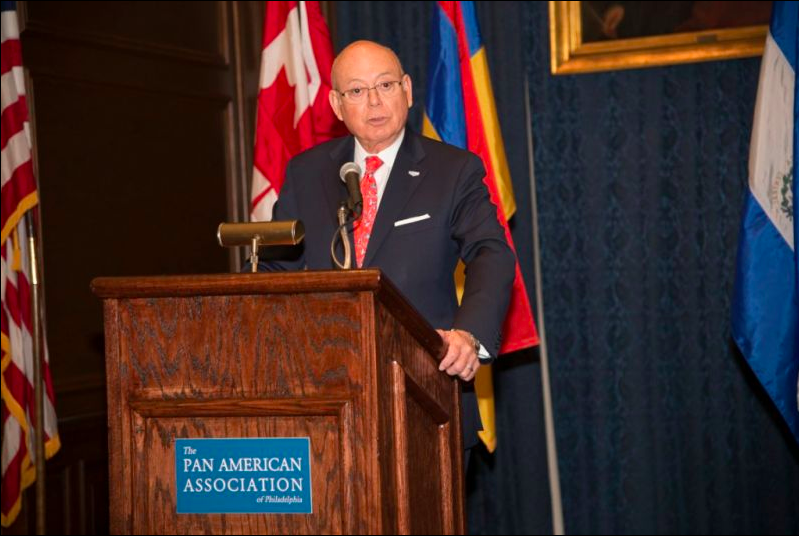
<point>552,454</point>
<point>38,435</point>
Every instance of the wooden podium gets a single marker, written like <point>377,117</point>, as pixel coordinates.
<point>338,357</point>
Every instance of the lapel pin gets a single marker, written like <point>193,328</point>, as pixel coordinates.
<point>413,173</point>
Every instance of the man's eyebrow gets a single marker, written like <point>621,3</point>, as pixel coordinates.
<point>360,81</point>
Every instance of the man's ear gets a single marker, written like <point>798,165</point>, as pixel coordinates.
<point>335,103</point>
<point>407,87</point>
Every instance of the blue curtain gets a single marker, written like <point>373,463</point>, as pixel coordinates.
<point>640,175</point>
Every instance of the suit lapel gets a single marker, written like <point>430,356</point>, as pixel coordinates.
<point>399,190</point>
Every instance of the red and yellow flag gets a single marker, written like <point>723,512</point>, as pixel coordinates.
<point>460,111</point>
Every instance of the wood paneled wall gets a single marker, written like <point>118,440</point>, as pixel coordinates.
<point>143,117</point>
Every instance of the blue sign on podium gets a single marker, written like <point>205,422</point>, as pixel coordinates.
<point>243,475</point>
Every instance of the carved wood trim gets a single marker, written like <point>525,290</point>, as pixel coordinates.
<point>236,407</point>
<point>402,481</point>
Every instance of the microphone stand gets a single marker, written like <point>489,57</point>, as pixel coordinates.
<point>341,232</point>
<point>344,210</point>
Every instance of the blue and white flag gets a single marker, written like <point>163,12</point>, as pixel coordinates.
<point>765,307</point>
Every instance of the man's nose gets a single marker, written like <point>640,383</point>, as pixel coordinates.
<point>374,96</point>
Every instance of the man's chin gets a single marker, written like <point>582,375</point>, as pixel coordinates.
<point>381,138</point>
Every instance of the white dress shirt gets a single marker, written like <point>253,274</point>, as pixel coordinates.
<point>387,155</point>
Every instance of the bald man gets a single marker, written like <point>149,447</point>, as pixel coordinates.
<point>425,207</point>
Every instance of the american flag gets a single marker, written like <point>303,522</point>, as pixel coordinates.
<point>19,198</point>
<point>293,109</point>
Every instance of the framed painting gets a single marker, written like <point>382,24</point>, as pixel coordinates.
<point>603,36</point>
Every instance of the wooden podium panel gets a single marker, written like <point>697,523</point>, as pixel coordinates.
<point>338,357</point>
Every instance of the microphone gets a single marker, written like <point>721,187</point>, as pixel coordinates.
<point>350,174</point>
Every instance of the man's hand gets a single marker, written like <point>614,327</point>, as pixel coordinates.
<point>461,359</point>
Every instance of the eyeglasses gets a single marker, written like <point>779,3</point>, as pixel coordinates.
<point>358,94</point>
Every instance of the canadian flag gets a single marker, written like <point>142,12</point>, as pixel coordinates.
<point>293,109</point>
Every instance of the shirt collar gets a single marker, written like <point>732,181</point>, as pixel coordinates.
<point>387,155</point>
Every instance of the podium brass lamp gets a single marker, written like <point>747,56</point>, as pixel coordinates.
<point>262,233</point>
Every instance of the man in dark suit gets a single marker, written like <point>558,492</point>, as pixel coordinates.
<point>425,206</point>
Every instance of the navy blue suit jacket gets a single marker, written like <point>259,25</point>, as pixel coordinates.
<point>420,257</point>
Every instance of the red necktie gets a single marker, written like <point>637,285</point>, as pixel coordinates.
<point>363,227</point>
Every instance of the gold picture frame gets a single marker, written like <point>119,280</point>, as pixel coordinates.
<point>570,55</point>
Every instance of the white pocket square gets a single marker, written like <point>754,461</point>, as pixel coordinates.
<point>406,221</point>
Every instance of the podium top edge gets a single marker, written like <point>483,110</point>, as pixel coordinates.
<point>306,282</point>
<point>238,283</point>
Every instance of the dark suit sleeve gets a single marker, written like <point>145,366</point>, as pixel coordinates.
<point>284,258</point>
<point>490,262</point>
